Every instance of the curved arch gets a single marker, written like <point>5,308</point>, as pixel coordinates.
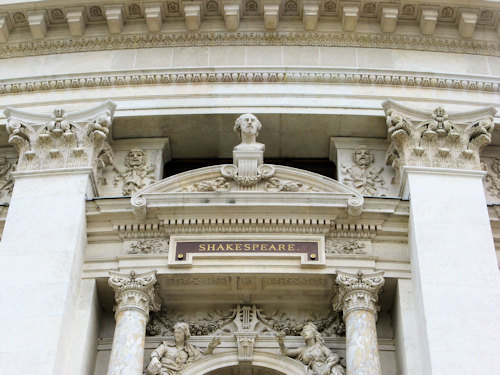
<point>280,363</point>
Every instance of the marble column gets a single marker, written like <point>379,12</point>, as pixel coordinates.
<point>135,296</point>
<point>45,233</point>
<point>454,270</point>
<point>357,296</point>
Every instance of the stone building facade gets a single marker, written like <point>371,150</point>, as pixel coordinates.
<point>161,211</point>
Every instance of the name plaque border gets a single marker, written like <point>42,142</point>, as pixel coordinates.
<point>228,256</point>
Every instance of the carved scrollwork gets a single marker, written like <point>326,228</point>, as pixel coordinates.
<point>63,140</point>
<point>148,246</point>
<point>436,141</point>
<point>135,291</point>
<point>344,246</point>
<point>358,291</point>
<point>244,318</point>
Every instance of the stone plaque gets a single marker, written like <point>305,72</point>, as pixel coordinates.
<point>182,249</point>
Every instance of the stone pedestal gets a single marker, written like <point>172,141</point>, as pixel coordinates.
<point>357,297</point>
<point>43,242</point>
<point>135,297</point>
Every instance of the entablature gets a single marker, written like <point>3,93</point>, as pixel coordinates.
<point>104,24</point>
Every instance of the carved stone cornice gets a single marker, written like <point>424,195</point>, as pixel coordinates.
<point>61,140</point>
<point>357,292</point>
<point>437,139</point>
<point>135,292</point>
<point>349,76</point>
<point>248,38</point>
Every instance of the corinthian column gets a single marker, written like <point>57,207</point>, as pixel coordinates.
<point>357,296</point>
<point>135,296</point>
<point>452,255</point>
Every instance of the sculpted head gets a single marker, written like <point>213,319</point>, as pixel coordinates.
<point>135,158</point>
<point>311,332</point>
<point>181,331</point>
<point>247,124</point>
<point>363,157</point>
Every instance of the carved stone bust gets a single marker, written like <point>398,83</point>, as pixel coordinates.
<point>247,126</point>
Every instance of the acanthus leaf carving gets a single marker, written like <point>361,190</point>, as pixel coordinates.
<point>135,291</point>
<point>357,291</point>
<point>148,246</point>
<point>62,140</point>
<point>436,140</point>
<point>344,246</point>
<point>244,318</point>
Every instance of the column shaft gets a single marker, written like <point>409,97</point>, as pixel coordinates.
<point>135,296</point>
<point>357,296</point>
<point>361,343</point>
<point>127,352</point>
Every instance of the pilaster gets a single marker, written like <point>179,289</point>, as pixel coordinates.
<point>453,264</point>
<point>45,232</point>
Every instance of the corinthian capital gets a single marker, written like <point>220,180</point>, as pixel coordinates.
<point>135,291</point>
<point>357,291</point>
<point>436,139</point>
<point>61,140</point>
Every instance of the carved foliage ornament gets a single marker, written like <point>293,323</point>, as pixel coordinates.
<point>137,173</point>
<point>66,141</point>
<point>357,292</point>
<point>344,246</point>
<point>148,246</point>
<point>436,141</point>
<point>363,175</point>
<point>135,292</point>
<point>6,181</point>
<point>244,318</point>
<point>492,179</point>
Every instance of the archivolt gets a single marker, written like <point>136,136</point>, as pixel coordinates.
<point>282,364</point>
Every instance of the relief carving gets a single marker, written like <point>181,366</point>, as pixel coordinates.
<point>275,184</point>
<point>436,141</point>
<point>492,179</point>
<point>244,318</point>
<point>170,359</point>
<point>63,140</point>
<point>318,359</point>
<point>216,184</point>
<point>363,175</point>
<point>6,181</point>
<point>149,246</point>
<point>137,173</point>
<point>344,246</point>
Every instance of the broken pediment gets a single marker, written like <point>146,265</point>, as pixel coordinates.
<point>248,181</point>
